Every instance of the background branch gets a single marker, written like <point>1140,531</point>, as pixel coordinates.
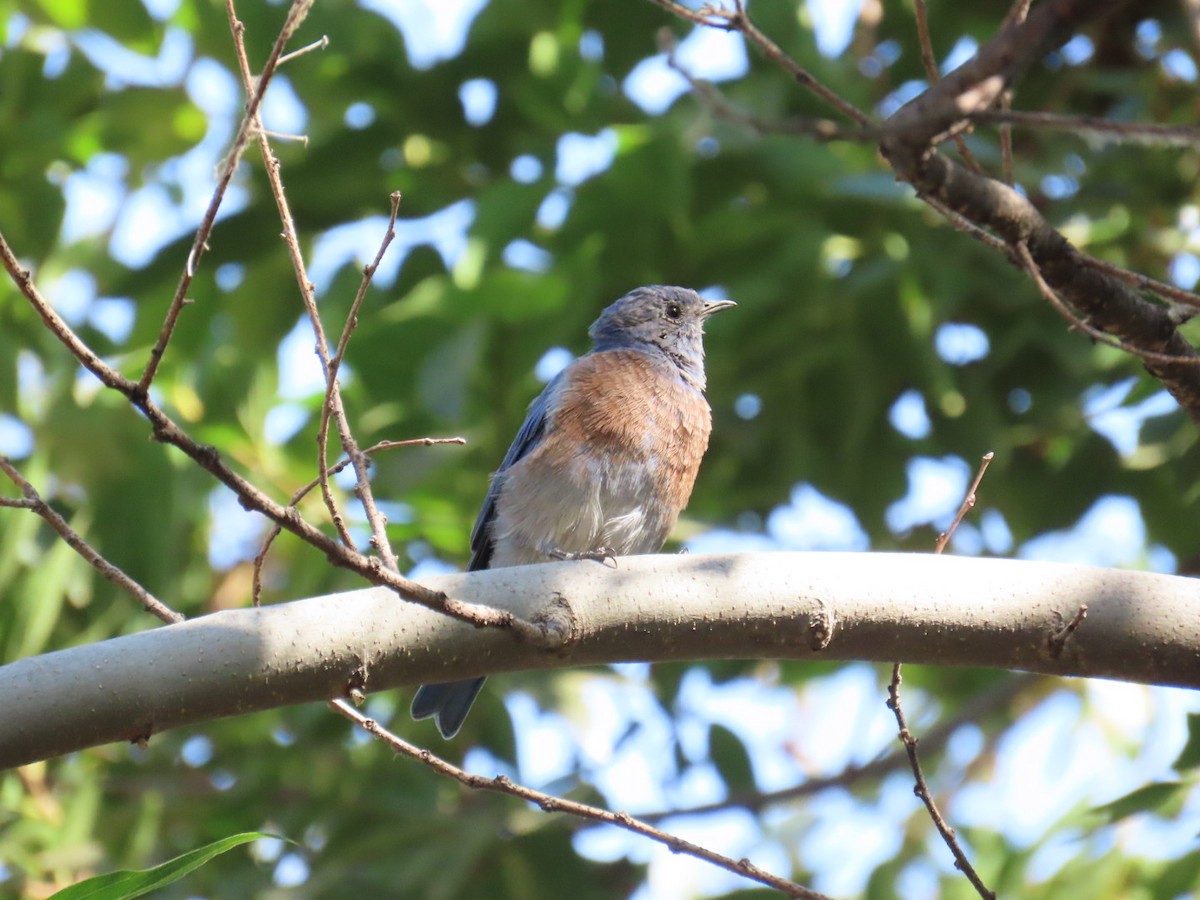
<point>166,430</point>
<point>250,122</point>
<point>32,501</point>
<point>333,395</point>
<point>907,141</point>
<point>932,741</point>
<point>549,803</point>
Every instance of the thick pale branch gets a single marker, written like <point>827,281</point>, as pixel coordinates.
<point>937,610</point>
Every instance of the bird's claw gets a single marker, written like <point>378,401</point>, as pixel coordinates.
<point>600,555</point>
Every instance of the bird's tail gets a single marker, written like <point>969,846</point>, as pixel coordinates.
<point>448,703</point>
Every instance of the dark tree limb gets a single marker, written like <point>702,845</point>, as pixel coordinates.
<point>1101,299</point>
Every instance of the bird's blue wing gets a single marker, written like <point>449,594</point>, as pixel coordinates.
<point>527,438</point>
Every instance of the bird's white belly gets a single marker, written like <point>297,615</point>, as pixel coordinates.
<point>575,509</point>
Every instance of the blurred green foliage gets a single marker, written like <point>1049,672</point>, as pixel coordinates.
<point>842,280</point>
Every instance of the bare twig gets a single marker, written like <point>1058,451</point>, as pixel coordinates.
<point>1016,15</point>
<point>1135,279</point>
<point>295,16</point>
<point>965,225</point>
<point>921,789</point>
<point>32,501</point>
<point>271,165</point>
<point>978,707</point>
<point>1112,130</point>
<point>1151,134</point>
<point>276,530</point>
<point>927,57</point>
<point>167,431</point>
<point>736,19</point>
<point>707,93</point>
<point>1006,142</point>
<point>1078,324</point>
<point>1057,641</point>
<point>357,458</point>
<point>301,139</point>
<point>549,803</point>
<point>931,72</point>
<point>707,15</point>
<point>1145,282</point>
<point>363,491</point>
<point>1106,303</point>
<point>320,44</point>
<point>967,505</point>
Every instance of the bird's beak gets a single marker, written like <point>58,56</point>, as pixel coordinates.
<point>714,306</point>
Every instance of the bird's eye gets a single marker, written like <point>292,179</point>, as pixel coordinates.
<point>674,311</point>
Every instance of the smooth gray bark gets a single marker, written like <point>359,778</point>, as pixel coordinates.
<point>883,607</point>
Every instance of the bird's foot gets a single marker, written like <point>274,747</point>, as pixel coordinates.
<point>600,555</point>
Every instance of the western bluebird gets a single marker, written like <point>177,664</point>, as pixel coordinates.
<point>606,457</point>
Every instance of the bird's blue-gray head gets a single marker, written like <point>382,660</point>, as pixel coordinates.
<point>669,320</point>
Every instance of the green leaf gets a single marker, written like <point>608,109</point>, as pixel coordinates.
<point>128,883</point>
<point>1151,798</point>
<point>1189,756</point>
<point>730,757</point>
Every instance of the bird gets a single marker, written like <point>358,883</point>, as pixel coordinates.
<point>606,457</point>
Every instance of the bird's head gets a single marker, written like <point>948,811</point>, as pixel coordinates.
<point>666,319</point>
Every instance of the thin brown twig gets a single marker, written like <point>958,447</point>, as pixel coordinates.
<point>165,430</point>
<point>1006,142</point>
<point>276,530</point>
<point>1112,130</point>
<point>1057,641</point>
<point>736,19</point>
<point>295,16</point>
<point>927,57</point>
<point>1149,133</point>
<point>1016,15</point>
<point>967,505</point>
<point>1135,279</point>
<point>301,139</point>
<point>375,518</point>
<point>965,225</point>
<point>921,789</point>
<point>366,497</point>
<point>705,15</point>
<point>319,44</point>
<point>1077,324</point>
<point>978,707</point>
<point>931,72</point>
<point>368,273</point>
<point>32,501</point>
<point>707,93</point>
<point>1145,282</point>
<point>501,784</point>
<point>271,164</point>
